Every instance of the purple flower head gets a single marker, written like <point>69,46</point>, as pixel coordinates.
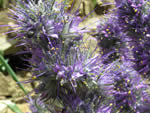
<point>46,25</point>
<point>76,78</point>
<point>79,81</point>
<point>130,17</point>
<point>141,58</point>
<point>126,90</point>
<point>133,17</point>
<point>129,89</point>
<point>109,39</point>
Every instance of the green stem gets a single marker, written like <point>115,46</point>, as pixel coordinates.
<point>12,73</point>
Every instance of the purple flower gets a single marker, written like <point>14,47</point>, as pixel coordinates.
<point>46,26</point>
<point>72,80</point>
<point>131,18</point>
<point>72,76</point>
<point>141,58</point>
<point>110,39</point>
<point>129,89</point>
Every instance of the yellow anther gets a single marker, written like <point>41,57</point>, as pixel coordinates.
<point>109,32</point>
<point>92,73</point>
<point>61,82</point>
<point>125,7</point>
<point>148,3</point>
<point>128,81</point>
<point>129,92</point>
<point>132,47</point>
<point>110,104</point>
<point>52,48</point>
<point>55,53</point>
<point>67,21</point>
<point>99,97</point>
<point>107,29</point>
<point>57,12</point>
<point>63,42</point>
<point>34,77</point>
<point>126,21</point>
<point>118,66</point>
<point>118,89</point>
<point>100,2</point>
<point>135,10</point>
<point>62,21</point>
<point>121,107</point>
<point>85,82</point>
<point>56,48</point>
<point>97,76</point>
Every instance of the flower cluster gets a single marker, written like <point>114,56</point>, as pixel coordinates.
<point>128,91</point>
<point>128,88</point>
<point>133,17</point>
<point>130,17</point>
<point>73,79</point>
<point>66,71</point>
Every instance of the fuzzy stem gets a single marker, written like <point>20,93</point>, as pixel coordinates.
<point>12,73</point>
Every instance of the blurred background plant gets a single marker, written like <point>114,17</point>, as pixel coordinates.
<point>6,3</point>
<point>1,3</point>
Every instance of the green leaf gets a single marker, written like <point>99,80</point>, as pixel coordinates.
<point>13,107</point>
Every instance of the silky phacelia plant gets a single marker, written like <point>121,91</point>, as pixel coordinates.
<point>73,79</point>
<point>66,72</point>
